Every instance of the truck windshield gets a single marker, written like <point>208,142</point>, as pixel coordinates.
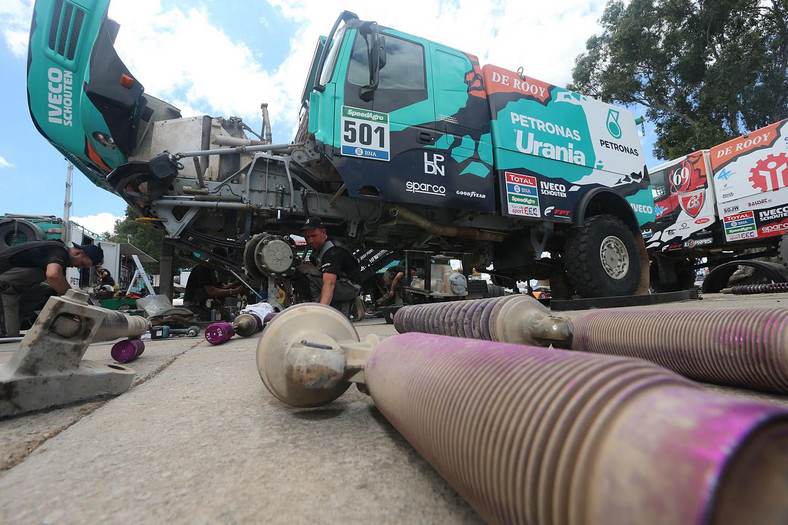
<point>331,59</point>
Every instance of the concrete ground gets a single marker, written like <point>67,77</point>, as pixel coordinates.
<point>199,439</point>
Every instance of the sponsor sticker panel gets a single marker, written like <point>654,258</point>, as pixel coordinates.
<point>365,133</point>
<point>522,195</point>
<point>752,165</point>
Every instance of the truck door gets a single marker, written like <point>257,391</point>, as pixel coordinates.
<point>391,145</point>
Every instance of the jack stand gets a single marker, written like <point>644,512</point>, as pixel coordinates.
<point>48,370</point>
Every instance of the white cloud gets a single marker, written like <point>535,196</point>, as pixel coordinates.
<point>182,57</point>
<point>15,17</point>
<point>4,163</point>
<point>99,223</point>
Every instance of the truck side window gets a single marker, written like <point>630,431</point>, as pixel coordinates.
<point>659,184</point>
<point>402,81</point>
<point>331,59</point>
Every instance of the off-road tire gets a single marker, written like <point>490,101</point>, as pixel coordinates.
<point>19,231</point>
<point>784,249</point>
<point>583,258</point>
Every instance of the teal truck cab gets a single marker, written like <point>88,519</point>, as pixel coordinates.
<point>402,143</point>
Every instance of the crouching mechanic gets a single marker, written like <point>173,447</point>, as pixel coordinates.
<point>333,275</point>
<point>32,272</point>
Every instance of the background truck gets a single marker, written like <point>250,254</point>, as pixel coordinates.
<point>718,202</point>
<point>402,143</point>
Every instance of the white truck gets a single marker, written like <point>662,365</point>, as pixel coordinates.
<point>717,203</point>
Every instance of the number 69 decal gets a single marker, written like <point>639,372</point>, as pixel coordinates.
<point>365,134</point>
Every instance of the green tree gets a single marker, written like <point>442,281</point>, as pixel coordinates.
<point>707,71</point>
<point>147,238</point>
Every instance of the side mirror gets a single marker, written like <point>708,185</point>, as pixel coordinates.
<point>376,46</point>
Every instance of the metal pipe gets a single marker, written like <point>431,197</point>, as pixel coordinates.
<point>194,203</point>
<point>531,435</point>
<point>117,324</point>
<point>444,229</point>
<point>238,149</point>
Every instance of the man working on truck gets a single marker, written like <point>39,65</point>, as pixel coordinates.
<point>32,272</point>
<point>206,291</point>
<point>332,276</point>
<point>395,282</point>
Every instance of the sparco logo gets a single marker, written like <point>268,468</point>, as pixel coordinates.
<point>775,228</point>
<point>423,187</point>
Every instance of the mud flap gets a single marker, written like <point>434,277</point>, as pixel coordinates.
<point>645,274</point>
<point>150,180</point>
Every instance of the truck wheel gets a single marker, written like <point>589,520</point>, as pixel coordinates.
<point>784,249</point>
<point>19,231</point>
<point>601,258</point>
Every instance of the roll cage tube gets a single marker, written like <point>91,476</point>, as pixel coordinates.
<point>330,44</point>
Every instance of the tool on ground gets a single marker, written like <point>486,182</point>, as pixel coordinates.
<point>48,370</point>
<point>127,351</point>
<point>164,331</point>
<point>746,348</point>
<point>535,435</point>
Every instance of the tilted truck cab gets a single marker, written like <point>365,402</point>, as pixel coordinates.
<point>403,143</point>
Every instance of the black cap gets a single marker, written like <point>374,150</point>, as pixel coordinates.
<point>95,253</point>
<point>313,223</point>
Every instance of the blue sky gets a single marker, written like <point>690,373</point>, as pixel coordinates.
<point>225,57</point>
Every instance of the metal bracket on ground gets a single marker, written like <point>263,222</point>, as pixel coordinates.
<point>625,300</point>
<point>47,370</point>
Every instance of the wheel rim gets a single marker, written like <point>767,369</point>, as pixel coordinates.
<point>614,256</point>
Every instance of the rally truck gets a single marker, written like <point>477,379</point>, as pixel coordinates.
<point>723,203</point>
<point>402,143</point>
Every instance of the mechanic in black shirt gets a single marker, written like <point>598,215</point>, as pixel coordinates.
<point>206,290</point>
<point>333,275</point>
<point>33,271</point>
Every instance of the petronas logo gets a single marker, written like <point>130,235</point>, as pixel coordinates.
<point>612,124</point>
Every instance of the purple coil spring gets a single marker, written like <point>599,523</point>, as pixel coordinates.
<point>738,347</point>
<point>760,288</point>
<point>530,435</point>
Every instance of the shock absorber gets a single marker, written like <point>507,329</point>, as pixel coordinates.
<point>739,347</point>
<point>531,435</point>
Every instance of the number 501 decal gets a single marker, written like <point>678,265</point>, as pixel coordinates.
<point>365,133</point>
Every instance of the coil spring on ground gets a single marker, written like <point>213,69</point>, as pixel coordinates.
<point>726,346</point>
<point>529,435</point>
<point>760,288</point>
